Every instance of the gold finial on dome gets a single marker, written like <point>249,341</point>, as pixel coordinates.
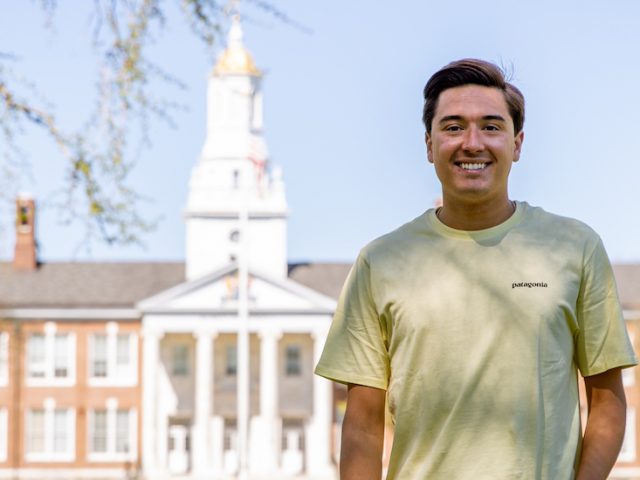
<point>236,59</point>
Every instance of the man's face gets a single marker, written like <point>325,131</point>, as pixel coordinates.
<point>472,144</point>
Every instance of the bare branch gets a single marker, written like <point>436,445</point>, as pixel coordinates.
<point>100,156</point>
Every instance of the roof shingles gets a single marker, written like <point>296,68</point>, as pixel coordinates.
<point>122,285</point>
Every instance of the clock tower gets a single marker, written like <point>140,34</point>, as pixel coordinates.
<point>233,178</point>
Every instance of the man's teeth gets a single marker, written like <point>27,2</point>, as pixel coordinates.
<point>473,166</point>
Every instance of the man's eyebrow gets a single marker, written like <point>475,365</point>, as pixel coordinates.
<point>449,118</point>
<point>499,118</point>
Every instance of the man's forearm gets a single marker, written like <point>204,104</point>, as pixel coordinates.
<point>361,457</point>
<point>604,431</point>
<point>362,434</point>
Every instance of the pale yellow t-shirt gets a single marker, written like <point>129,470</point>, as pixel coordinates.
<point>476,337</point>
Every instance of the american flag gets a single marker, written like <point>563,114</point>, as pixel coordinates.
<point>258,155</point>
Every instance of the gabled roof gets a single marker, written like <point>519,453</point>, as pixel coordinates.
<point>326,278</point>
<point>124,284</point>
<point>216,292</point>
<point>82,284</point>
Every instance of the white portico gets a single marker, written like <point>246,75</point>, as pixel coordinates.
<point>228,355</point>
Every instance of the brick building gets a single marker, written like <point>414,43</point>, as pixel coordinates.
<point>192,370</point>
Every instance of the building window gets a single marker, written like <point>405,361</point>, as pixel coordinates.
<point>230,438</point>
<point>50,434</point>
<point>35,432</point>
<point>99,436</point>
<point>37,366</point>
<point>628,450</point>
<point>61,356</point>
<point>180,360</point>
<point>293,361</point>
<point>123,434</point>
<point>112,434</point>
<point>51,358</point>
<point>123,353</point>
<point>232,360</point>
<point>99,362</point>
<point>113,358</point>
<point>4,359</point>
<point>292,434</point>
<point>60,438</point>
<point>4,433</point>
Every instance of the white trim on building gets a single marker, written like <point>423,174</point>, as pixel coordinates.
<point>51,358</point>
<point>38,314</point>
<point>113,358</point>
<point>112,434</point>
<point>50,433</point>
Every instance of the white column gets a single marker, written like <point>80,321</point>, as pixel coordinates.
<point>265,434</point>
<point>243,374</point>
<point>318,438</point>
<point>201,440</point>
<point>151,359</point>
<point>162,415</point>
<point>217,440</point>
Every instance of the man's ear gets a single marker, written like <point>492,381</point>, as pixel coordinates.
<point>427,141</point>
<point>518,146</point>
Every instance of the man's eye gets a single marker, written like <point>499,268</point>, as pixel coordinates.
<point>453,128</point>
<point>492,128</point>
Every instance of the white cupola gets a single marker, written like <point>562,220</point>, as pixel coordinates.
<point>233,173</point>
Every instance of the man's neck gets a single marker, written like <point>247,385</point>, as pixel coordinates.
<point>475,216</point>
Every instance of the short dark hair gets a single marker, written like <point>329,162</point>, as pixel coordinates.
<point>471,71</point>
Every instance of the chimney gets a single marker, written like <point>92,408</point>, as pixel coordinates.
<point>24,258</point>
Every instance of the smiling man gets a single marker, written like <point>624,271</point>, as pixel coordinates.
<point>473,320</point>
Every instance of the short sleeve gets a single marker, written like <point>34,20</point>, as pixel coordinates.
<point>602,340</point>
<point>355,350</point>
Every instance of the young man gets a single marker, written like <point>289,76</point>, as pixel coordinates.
<point>473,319</point>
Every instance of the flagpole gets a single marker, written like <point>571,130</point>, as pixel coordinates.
<point>242,423</point>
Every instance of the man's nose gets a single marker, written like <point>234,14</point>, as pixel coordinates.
<point>472,140</point>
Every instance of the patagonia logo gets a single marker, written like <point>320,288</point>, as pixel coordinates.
<point>529,285</point>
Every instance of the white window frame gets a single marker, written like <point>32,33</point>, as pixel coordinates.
<point>116,375</point>
<point>628,450</point>
<point>180,360</point>
<point>4,359</point>
<point>48,365</point>
<point>49,455</point>
<point>231,360</point>
<point>111,455</point>
<point>293,360</point>
<point>4,434</point>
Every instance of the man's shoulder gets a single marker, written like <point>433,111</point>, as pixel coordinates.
<point>558,226</point>
<point>398,239</point>
<point>540,218</point>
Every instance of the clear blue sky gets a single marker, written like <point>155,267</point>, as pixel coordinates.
<point>343,107</point>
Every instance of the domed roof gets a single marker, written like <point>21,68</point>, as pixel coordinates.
<point>236,60</point>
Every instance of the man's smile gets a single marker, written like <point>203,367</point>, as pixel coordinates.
<point>472,166</point>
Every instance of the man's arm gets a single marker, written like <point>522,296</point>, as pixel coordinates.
<point>604,431</point>
<point>362,434</point>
